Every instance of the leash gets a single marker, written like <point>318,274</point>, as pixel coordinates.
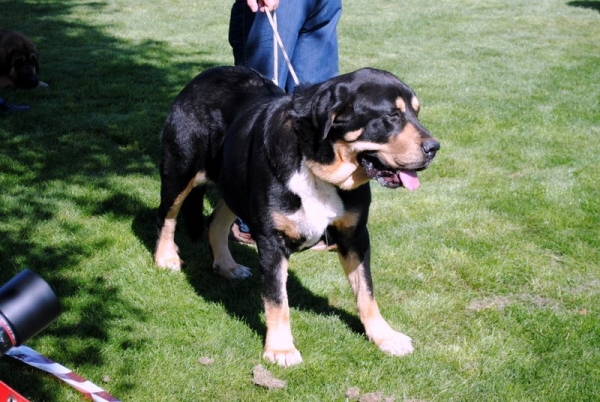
<point>87,388</point>
<point>277,42</point>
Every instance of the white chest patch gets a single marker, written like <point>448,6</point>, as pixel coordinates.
<point>321,204</point>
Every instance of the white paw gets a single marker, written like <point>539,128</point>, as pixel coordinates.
<point>397,345</point>
<point>169,262</point>
<point>235,272</point>
<point>283,358</point>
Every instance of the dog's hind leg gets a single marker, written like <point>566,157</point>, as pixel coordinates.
<point>166,254</point>
<point>193,213</point>
<point>218,234</point>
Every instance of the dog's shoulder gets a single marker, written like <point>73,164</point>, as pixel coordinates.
<point>226,84</point>
<point>224,91</point>
<point>263,133</point>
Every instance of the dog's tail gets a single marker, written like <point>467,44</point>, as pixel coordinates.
<point>192,210</point>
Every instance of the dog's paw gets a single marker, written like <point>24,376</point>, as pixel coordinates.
<point>235,272</point>
<point>397,344</point>
<point>166,255</point>
<point>169,262</point>
<point>284,358</point>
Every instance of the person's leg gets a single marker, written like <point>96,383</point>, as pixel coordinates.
<point>6,107</point>
<point>251,35</point>
<point>315,57</point>
<point>240,22</point>
<point>308,29</point>
<point>251,39</point>
<point>310,24</point>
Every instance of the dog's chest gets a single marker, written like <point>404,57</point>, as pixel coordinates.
<point>321,205</point>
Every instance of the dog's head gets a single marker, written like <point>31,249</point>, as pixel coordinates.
<point>363,126</point>
<point>19,60</point>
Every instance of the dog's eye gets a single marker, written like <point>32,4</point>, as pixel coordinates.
<point>395,115</point>
<point>19,60</point>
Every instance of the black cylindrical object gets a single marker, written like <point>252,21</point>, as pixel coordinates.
<point>27,306</point>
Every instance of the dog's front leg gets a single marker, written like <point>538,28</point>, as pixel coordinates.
<point>355,261</point>
<point>279,343</point>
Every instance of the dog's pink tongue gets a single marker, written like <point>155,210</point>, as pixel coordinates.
<point>409,179</point>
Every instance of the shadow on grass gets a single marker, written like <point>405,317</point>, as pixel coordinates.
<point>241,298</point>
<point>592,5</point>
<point>99,120</point>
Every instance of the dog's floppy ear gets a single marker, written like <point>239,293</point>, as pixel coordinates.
<point>333,106</point>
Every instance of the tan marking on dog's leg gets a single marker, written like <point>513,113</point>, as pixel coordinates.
<point>376,327</point>
<point>348,220</point>
<point>284,224</point>
<point>218,239</point>
<point>279,343</point>
<point>166,254</point>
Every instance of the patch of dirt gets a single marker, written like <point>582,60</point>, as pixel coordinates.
<point>353,394</point>
<point>494,302</point>
<point>206,361</point>
<point>592,287</point>
<point>264,378</point>
<point>371,397</point>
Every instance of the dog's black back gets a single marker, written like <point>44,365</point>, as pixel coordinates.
<point>189,147</point>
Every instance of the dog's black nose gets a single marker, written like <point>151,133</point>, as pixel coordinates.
<point>430,147</point>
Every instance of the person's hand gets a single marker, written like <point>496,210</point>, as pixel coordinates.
<point>262,5</point>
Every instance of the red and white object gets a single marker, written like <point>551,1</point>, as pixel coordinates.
<point>87,388</point>
<point>10,395</point>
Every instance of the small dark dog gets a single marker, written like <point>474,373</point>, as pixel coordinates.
<point>19,62</point>
<point>292,166</point>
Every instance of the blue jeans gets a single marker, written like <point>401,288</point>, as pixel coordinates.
<point>308,30</point>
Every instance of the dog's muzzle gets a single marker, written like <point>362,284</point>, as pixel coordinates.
<point>430,147</point>
<point>394,178</point>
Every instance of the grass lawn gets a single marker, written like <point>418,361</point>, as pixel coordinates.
<point>492,267</point>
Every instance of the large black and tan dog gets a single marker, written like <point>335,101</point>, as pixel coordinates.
<point>19,62</point>
<point>292,167</point>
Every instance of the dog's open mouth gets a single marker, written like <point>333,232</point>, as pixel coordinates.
<point>386,177</point>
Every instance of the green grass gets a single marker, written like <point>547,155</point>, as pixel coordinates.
<point>492,267</point>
